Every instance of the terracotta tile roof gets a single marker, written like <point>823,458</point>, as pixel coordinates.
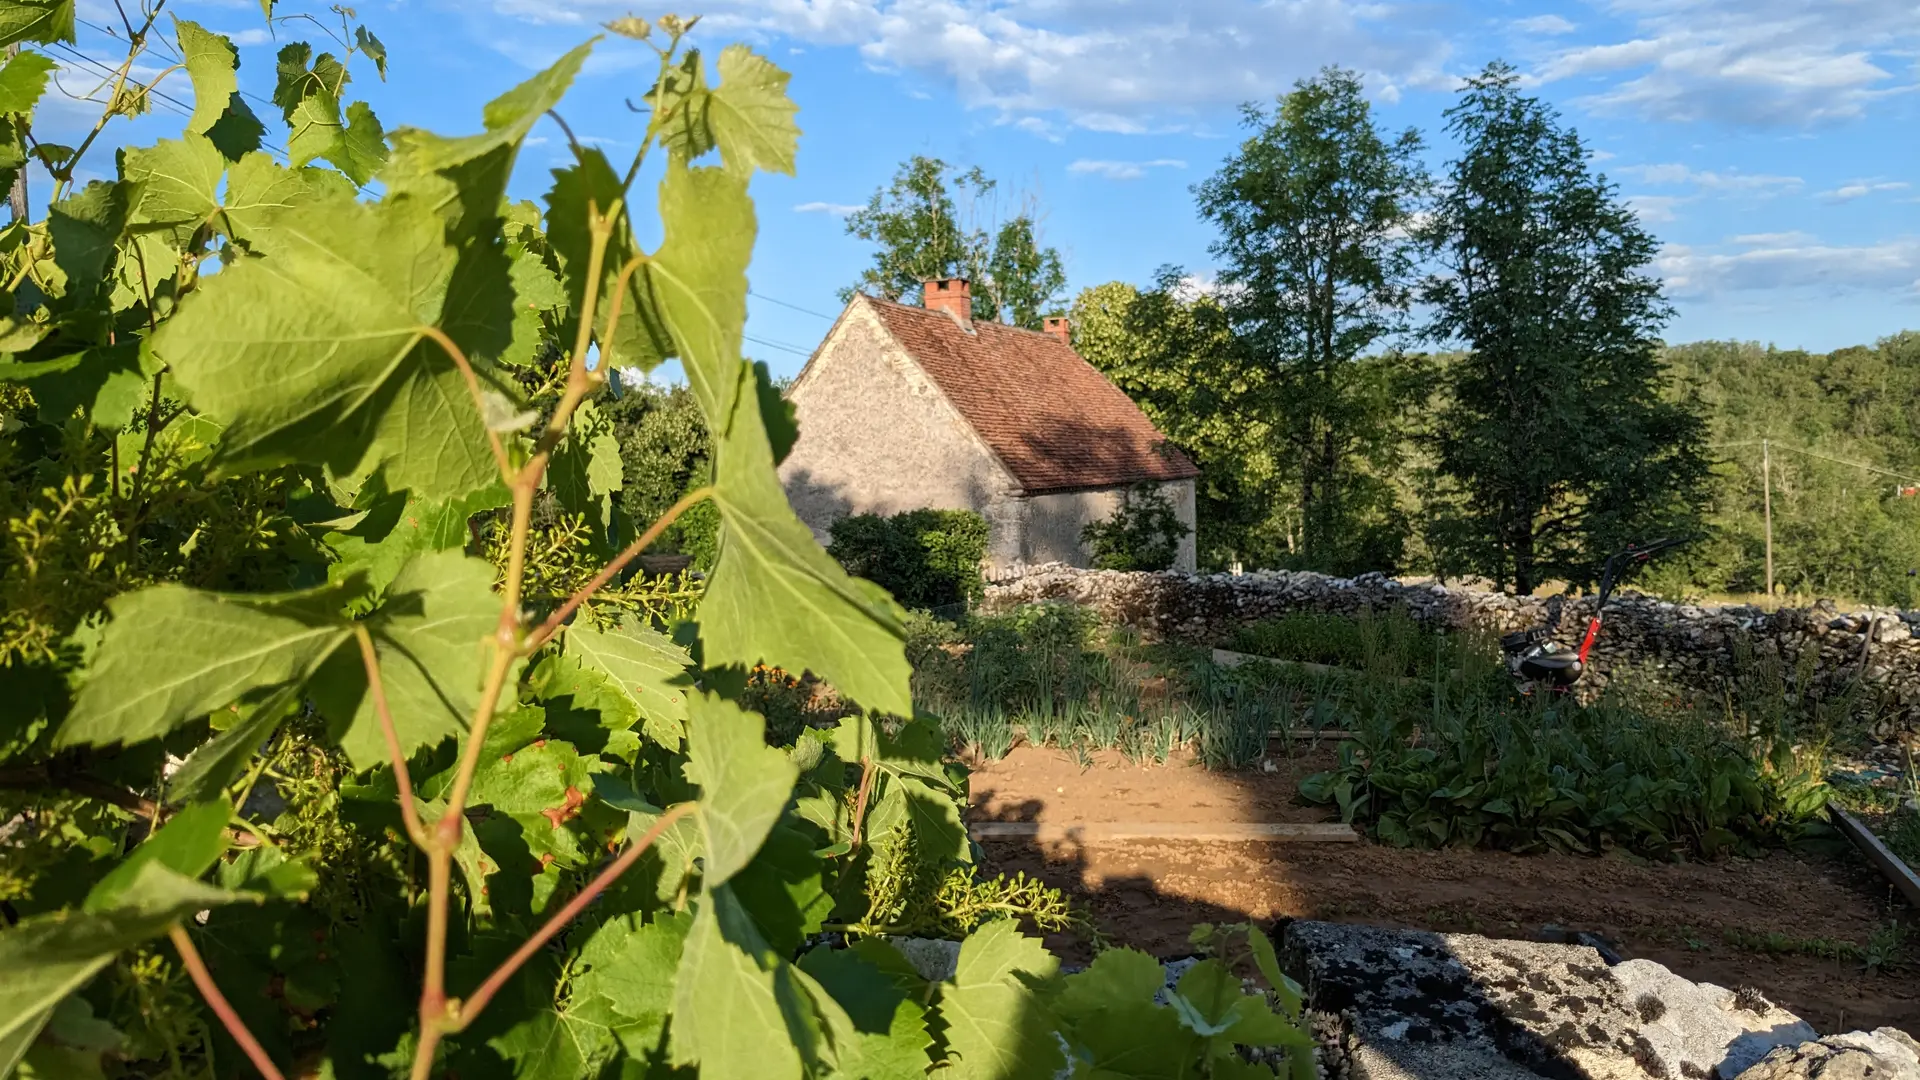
<point>1050,416</point>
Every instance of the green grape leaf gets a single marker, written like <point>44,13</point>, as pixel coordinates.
<point>172,654</point>
<point>270,872</point>
<point>586,470</point>
<point>536,290</point>
<point>212,64</point>
<point>222,760</point>
<point>933,816</point>
<point>744,783</point>
<point>419,155</point>
<point>1116,978</point>
<point>314,129</point>
<point>997,1027</point>
<point>85,229</point>
<point>46,957</point>
<point>642,662</point>
<point>887,1033</point>
<point>178,182</point>
<point>588,187</point>
<point>776,596</point>
<point>1137,1040</point>
<point>315,352</point>
<point>433,636</point>
<point>22,82</point>
<point>105,381</point>
<point>586,708</point>
<point>364,40</point>
<point>258,188</point>
<point>698,281</point>
<point>361,147</point>
<point>188,844</point>
<point>783,889</point>
<point>915,748</point>
<point>730,982</point>
<point>751,116</point>
<point>782,418</point>
<point>680,102</point>
<point>238,132</point>
<point>44,21</point>
<point>626,974</point>
<point>399,526</point>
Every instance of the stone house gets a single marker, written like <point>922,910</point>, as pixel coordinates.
<point>905,407</point>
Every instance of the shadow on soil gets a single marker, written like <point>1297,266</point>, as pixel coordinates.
<point>1696,919</point>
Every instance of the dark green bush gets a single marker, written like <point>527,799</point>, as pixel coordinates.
<point>1143,534</point>
<point>1380,643</point>
<point>925,558</point>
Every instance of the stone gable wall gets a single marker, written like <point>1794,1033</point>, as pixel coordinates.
<point>1873,651</point>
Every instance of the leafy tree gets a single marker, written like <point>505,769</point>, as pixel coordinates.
<point>926,558</point>
<point>1143,533</point>
<point>1315,213</point>
<point>1175,355</point>
<point>1554,442</point>
<point>920,234</point>
<point>666,452</point>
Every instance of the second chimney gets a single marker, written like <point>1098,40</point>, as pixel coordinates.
<point>951,295</point>
<point>1059,327</point>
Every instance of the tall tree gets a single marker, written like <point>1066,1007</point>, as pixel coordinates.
<point>1554,441</point>
<point>1171,350</point>
<point>920,230</point>
<point>1315,213</point>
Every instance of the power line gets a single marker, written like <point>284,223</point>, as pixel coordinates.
<point>794,349</point>
<point>1817,454</point>
<point>784,304</point>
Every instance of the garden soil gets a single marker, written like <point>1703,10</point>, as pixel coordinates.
<point>1709,922</point>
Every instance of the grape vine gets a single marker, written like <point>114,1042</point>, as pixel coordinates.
<point>314,694</point>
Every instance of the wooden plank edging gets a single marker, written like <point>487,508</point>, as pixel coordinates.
<point>1879,854</point>
<point>1229,832</point>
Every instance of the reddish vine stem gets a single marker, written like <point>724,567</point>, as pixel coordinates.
<point>408,812</point>
<point>554,621</point>
<point>465,1013</point>
<point>229,1019</point>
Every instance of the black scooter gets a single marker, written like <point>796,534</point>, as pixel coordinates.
<point>1536,660</point>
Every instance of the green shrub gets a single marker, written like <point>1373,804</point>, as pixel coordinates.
<point>1535,776</point>
<point>1387,643</point>
<point>925,558</point>
<point>1143,534</point>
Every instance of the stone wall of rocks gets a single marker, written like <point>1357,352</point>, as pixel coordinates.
<point>1871,655</point>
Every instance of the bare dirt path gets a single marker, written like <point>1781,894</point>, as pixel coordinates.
<point>1707,921</point>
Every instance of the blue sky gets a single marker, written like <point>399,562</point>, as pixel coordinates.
<point>1769,144</point>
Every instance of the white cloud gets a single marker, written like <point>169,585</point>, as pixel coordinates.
<point>1772,239</point>
<point>1766,63</point>
<point>1793,262</point>
<point>254,35</point>
<point>1655,209</point>
<point>1544,24</point>
<point>835,209</point>
<point>1124,170</point>
<point>1117,67</point>
<point>1674,173</point>
<point>1861,188</point>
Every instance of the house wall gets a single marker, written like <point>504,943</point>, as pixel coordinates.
<point>878,437</point>
<point>1054,522</point>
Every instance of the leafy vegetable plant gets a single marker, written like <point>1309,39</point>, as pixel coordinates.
<point>308,702</point>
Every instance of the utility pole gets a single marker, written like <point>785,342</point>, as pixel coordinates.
<point>1766,502</point>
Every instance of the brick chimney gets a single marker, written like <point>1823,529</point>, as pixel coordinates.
<point>951,295</point>
<point>1059,327</point>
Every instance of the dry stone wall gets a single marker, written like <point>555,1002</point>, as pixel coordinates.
<point>1871,655</point>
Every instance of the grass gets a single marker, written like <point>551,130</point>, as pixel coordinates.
<point>1389,644</point>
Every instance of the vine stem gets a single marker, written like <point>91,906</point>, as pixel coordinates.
<point>197,968</point>
<point>437,1015</point>
<point>554,621</point>
<point>465,1013</point>
<point>136,44</point>
<point>371,658</point>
